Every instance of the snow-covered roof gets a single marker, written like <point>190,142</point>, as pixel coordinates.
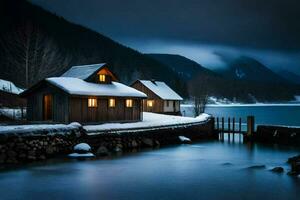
<point>76,86</point>
<point>83,71</point>
<point>10,87</point>
<point>161,89</point>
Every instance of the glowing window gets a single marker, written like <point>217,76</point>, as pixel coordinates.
<point>128,103</point>
<point>102,78</point>
<point>112,103</point>
<point>92,102</point>
<point>150,103</point>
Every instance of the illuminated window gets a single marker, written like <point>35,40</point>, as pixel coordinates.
<point>102,78</point>
<point>128,103</point>
<point>112,103</point>
<point>150,103</point>
<point>92,102</point>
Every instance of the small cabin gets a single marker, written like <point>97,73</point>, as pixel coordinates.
<point>87,94</point>
<point>160,97</point>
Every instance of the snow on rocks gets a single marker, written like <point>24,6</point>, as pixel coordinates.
<point>36,129</point>
<point>10,87</point>
<point>81,150</point>
<point>151,121</point>
<point>82,147</point>
<point>184,139</point>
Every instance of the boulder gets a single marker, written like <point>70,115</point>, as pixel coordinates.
<point>147,142</point>
<point>102,151</point>
<point>184,140</point>
<point>82,148</point>
<point>277,170</point>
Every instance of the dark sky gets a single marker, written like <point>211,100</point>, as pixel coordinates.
<point>268,30</point>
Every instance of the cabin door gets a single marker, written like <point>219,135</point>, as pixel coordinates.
<point>47,107</point>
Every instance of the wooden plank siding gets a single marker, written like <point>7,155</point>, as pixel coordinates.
<point>158,105</point>
<point>35,104</point>
<point>79,110</point>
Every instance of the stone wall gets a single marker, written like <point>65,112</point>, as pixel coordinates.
<point>277,134</point>
<point>18,148</point>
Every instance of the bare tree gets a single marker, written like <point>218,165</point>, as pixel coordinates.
<point>29,51</point>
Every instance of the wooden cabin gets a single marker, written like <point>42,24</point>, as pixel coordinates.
<point>84,94</point>
<point>161,98</point>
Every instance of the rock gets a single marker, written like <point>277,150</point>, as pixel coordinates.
<point>102,151</point>
<point>49,150</point>
<point>257,167</point>
<point>227,164</point>
<point>134,144</point>
<point>82,148</point>
<point>277,170</point>
<point>11,154</point>
<point>147,142</point>
<point>294,159</point>
<point>184,140</point>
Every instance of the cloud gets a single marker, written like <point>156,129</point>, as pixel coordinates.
<point>208,55</point>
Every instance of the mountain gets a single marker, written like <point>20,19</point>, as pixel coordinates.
<point>35,44</point>
<point>244,80</point>
<point>292,77</point>
<point>249,69</point>
<point>185,67</point>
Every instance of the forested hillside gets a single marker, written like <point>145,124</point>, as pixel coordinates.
<point>36,44</point>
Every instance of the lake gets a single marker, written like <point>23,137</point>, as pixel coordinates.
<point>275,114</point>
<point>204,170</point>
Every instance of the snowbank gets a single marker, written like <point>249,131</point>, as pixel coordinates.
<point>28,129</point>
<point>150,121</point>
<point>8,86</point>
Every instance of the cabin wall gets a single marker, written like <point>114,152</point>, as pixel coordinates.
<point>158,105</point>
<point>171,106</point>
<point>59,105</point>
<point>80,112</point>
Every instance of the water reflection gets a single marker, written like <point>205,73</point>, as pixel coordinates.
<point>206,170</point>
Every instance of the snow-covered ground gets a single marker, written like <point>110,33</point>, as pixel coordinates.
<point>38,127</point>
<point>150,120</point>
<point>8,86</point>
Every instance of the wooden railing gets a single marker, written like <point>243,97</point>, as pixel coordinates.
<point>234,126</point>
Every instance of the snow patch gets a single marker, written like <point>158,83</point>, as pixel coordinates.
<point>239,73</point>
<point>184,139</point>
<point>10,87</point>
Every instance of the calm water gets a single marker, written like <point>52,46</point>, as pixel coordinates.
<point>206,170</point>
<point>288,115</point>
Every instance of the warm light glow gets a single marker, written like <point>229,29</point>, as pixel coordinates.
<point>92,102</point>
<point>101,77</point>
<point>150,103</point>
<point>128,103</point>
<point>112,103</point>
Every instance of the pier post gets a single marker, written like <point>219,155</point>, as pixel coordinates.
<point>222,128</point>
<point>233,127</point>
<point>240,128</point>
<point>250,126</point>
<point>229,129</point>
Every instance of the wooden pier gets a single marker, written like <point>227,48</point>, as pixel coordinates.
<point>233,127</point>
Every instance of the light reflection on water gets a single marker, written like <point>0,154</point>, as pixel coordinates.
<point>205,170</point>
